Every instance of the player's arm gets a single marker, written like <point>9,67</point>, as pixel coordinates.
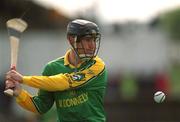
<point>37,104</point>
<point>62,82</point>
<point>24,99</point>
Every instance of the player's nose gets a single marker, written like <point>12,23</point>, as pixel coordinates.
<point>91,45</point>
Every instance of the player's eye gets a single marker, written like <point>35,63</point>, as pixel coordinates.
<point>88,39</point>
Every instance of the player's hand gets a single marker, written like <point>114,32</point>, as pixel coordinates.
<point>9,84</point>
<point>15,86</point>
<point>13,75</point>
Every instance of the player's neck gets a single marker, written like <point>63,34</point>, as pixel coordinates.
<point>73,59</point>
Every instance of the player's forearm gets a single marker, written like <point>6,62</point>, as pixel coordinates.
<point>49,83</point>
<point>62,82</point>
<point>25,100</point>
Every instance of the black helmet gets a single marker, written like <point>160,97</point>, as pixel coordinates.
<point>81,27</point>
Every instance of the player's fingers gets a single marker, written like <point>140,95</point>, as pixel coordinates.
<point>13,71</point>
<point>14,76</point>
<point>10,76</point>
<point>13,68</point>
<point>9,84</point>
<point>8,73</point>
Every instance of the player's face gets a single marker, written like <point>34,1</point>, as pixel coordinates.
<point>87,46</point>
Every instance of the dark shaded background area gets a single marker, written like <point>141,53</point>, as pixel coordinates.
<point>36,16</point>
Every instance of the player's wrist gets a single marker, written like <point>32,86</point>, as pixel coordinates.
<point>25,79</point>
<point>17,90</point>
<point>20,79</point>
<point>22,96</point>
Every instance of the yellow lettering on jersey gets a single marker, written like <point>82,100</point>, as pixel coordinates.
<point>73,101</point>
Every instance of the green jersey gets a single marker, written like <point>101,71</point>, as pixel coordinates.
<point>83,100</point>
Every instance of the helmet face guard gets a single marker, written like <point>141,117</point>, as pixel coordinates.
<point>87,56</point>
<point>83,30</point>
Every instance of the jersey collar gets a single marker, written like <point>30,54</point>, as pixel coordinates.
<point>66,60</point>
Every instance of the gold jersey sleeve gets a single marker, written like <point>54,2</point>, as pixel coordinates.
<point>25,100</point>
<point>65,81</point>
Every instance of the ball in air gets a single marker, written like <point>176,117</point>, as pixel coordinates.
<point>159,97</point>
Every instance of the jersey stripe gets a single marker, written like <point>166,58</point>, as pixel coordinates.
<point>88,80</point>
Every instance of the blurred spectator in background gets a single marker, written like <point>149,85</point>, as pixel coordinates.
<point>174,77</point>
<point>162,82</point>
<point>128,87</point>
